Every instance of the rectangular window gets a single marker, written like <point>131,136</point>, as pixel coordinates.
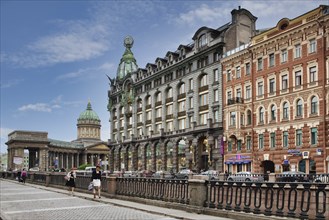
<point>203,118</point>
<point>181,106</point>
<point>285,139</point>
<point>314,136</point>
<point>216,114</point>
<point>191,102</point>
<point>247,68</point>
<point>158,112</point>
<point>239,144</point>
<point>273,140</point>
<point>228,75</point>
<point>271,59</point>
<point>298,78</point>
<point>284,82</point>
<point>238,93</point>
<point>203,99</point>
<point>216,75</point>
<point>229,96</point>
<point>312,46</point>
<point>260,141</point>
<point>259,64</point>
<point>260,88</point>
<point>248,92</point>
<point>313,75</point>
<point>169,126</point>
<point>158,127</point>
<point>238,72</point>
<point>191,84</point>
<point>229,146</point>
<point>232,119</point>
<point>169,109</point>
<point>272,85</point>
<point>181,123</point>
<point>216,95</point>
<point>298,51</point>
<point>284,56</point>
<point>149,115</point>
<point>248,142</point>
<point>299,137</point>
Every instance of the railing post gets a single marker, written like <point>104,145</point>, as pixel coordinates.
<point>112,184</point>
<point>48,179</point>
<point>197,191</point>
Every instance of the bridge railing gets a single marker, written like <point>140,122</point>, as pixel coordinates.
<point>304,200</point>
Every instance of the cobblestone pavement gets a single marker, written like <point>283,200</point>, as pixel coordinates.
<point>25,202</point>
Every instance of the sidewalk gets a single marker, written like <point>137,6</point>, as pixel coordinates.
<point>173,213</point>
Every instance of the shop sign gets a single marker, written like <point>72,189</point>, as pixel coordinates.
<point>318,151</point>
<point>294,152</point>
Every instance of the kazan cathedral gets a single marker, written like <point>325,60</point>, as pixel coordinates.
<point>46,153</point>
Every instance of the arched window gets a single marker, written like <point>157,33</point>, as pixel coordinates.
<point>314,105</point>
<point>202,41</point>
<point>139,103</point>
<point>299,107</point>
<point>158,97</point>
<point>261,115</point>
<point>285,110</point>
<point>181,88</point>
<point>148,100</point>
<point>248,117</point>
<point>273,113</point>
<point>204,80</point>
<point>169,93</point>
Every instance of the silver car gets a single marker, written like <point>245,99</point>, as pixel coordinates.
<point>211,174</point>
<point>245,177</point>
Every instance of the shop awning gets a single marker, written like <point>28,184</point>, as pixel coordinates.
<point>238,162</point>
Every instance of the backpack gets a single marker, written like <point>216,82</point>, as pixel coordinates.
<point>23,174</point>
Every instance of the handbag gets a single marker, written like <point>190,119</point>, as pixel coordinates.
<point>91,186</point>
<point>66,177</point>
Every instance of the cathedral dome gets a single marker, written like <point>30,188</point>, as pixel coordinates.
<point>88,114</point>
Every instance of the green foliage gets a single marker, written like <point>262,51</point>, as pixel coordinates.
<point>83,166</point>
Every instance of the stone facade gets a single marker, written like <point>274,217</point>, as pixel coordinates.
<point>276,98</point>
<point>168,115</point>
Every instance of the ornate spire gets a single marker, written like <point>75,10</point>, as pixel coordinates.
<point>128,61</point>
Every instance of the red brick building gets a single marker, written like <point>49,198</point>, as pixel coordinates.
<point>275,98</point>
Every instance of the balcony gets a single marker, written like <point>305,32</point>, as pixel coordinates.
<point>158,103</point>
<point>182,113</point>
<point>169,116</point>
<point>203,88</point>
<point>169,99</point>
<point>237,100</point>
<point>203,108</point>
<point>181,96</point>
<point>148,122</point>
<point>158,119</point>
<point>139,124</point>
<point>139,109</point>
<point>148,106</point>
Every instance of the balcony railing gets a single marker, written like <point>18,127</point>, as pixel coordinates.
<point>237,100</point>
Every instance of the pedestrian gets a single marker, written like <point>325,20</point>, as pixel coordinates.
<point>71,180</point>
<point>24,175</point>
<point>96,179</point>
<point>19,172</point>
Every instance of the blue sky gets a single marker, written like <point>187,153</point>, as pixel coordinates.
<point>55,54</point>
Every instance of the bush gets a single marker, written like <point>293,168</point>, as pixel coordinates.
<point>83,166</point>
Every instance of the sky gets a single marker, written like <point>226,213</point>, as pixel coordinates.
<point>55,55</point>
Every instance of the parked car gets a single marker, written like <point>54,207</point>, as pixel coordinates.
<point>163,174</point>
<point>145,173</point>
<point>245,177</point>
<point>130,174</point>
<point>183,174</point>
<point>34,169</point>
<point>211,174</point>
<point>292,176</point>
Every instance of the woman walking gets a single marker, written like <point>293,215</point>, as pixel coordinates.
<point>71,180</point>
<point>96,179</point>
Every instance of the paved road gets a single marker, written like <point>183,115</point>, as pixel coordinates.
<point>19,201</point>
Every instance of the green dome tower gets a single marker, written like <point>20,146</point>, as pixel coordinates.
<point>89,124</point>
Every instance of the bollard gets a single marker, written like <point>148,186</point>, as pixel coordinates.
<point>111,187</point>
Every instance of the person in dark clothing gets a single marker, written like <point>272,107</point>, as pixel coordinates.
<point>96,179</point>
<point>71,180</point>
<point>19,176</point>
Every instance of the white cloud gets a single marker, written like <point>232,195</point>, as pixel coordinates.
<point>38,107</point>
<point>10,83</point>
<point>88,73</point>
